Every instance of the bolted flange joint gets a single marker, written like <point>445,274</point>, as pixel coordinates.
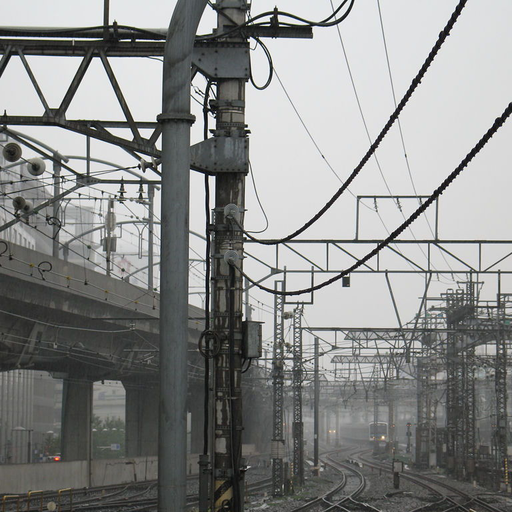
<point>177,117</point>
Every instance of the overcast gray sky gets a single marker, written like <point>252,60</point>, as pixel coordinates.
<point>468,85</point>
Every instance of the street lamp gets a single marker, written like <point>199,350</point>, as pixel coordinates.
<point>29,441</point>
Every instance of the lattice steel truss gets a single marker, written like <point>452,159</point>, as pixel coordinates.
<point>501,432</point>
<point>278,384</point>
<point>460,394</point>
<point>423,440</point>
<point>298,426</point>
<point>427,367</point>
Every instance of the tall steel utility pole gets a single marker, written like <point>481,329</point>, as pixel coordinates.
<point>224,60</point>
<point>227,286</point>
<point>175,120</point>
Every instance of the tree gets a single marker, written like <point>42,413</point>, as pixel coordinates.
<point>106,436</point>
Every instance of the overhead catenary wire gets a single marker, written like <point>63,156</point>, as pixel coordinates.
<point>367,131</point>
<point>251,172</point>
<point>399,124</point>
<point>391,121</point>
<point>498,123</point>
<point>268,55</point>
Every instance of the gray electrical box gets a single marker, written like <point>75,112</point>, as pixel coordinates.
<point>252,339</point>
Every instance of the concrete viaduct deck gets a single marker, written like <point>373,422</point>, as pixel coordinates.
<point>83,326</point>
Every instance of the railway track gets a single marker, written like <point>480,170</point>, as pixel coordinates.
<point>450,495</point>
<point>349,494</point>
<point>138,497</point>
<point>70,499</point>
<point>343,496</point>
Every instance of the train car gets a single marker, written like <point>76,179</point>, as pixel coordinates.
<point>378,431</point>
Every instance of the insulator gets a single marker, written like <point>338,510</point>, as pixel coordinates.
<point>36,166</point>
<point>18,203</point>
<point>12,152</point>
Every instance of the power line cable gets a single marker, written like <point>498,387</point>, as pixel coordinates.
<point>259,200</point>
<point>365,124</point>
<point>498,123</point>
<point>275,21</point>
<point>394,116</point>
<point>399,124</point>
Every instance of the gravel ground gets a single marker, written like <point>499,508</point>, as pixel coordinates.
<point>313,488</point>
<point>379,493</point>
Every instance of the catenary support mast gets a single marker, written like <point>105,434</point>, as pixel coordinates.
<point>298,428</point>
<point>278,395</point>
<point>176,120</point>
<point>227,283</point>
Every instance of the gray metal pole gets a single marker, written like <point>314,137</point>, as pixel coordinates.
<point>106,8</point>
<point>151,227</point>
<point>277,451</point>
<point>176,120</point>
<point>56,206</point>
<point>227,462</point>
<point>317,400</point>
<point>109,227</point>
<point>298,426</point>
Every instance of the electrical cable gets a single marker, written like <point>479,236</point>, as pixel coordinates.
<point>206,404</point>
<point>73,31</point>
<point>399,124</point>
<point>498,123</point>
<point>130,301</point>
<point>394,116</point>
<point>270,67</point>
<point>375,157</point>
<point>233,403</point>
<point>65,350</point>
<point>274,21</point>
<point>310,135</point>
<point>259,202</point>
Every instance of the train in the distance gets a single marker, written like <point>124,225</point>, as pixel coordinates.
<point>378,431</point>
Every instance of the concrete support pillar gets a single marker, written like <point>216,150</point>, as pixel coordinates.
<point>142,402</point>
<point>76,419</point>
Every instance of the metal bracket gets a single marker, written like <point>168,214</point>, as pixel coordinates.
<point>220,154</point>
<point>226,61</point>
<point>86,180</point>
